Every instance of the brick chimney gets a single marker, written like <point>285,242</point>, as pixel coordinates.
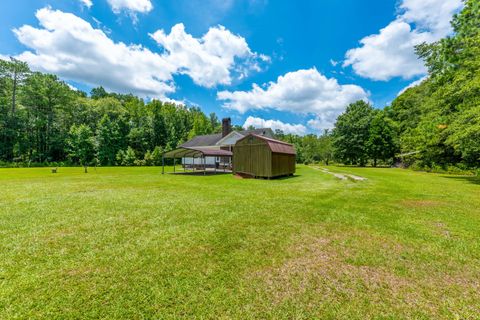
<point>226,126</point>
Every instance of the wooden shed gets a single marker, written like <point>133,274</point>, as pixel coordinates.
<point>259,156</point>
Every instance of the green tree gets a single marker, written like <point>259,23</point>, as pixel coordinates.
<point>351,133</point>
<point>129,157</point>
<point>107,141</point>
<point>381,144</point>
<point>157,155</point>
<point>325,145</point>
<point>81,145</point>
<point>12,77</point>
<point>464,136</point>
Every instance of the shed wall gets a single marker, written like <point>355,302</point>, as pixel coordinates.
<point>282,164</point>
<point>252,156</point>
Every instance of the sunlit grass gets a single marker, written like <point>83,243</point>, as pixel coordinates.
<point>132,243</point>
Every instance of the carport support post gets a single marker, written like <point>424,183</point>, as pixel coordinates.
<point>174,164</point>
<point>204,165</point>
<point>193,163</point>
<point>163,164</point>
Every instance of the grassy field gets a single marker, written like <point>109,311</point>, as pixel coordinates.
<point>121,243</point>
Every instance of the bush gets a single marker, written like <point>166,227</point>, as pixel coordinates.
<point>130,157</point>
<point>157,156</point>
<point>119,157</point>
<point>139,163</point>
<point>127,157</point>
<point>148,158</point>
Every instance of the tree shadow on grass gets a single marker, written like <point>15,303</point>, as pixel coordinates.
<point>468,179</point>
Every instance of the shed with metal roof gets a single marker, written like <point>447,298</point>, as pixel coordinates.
<point>263,157</point>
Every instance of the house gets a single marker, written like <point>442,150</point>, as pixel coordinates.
<point>213,150</point>
<point>219,141</point>
<point>260,156</point>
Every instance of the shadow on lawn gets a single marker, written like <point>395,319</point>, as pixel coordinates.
<point>468,179</point>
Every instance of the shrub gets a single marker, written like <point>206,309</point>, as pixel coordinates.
<point>139,163</point>
<point>148,158</point>
<point>157,156</point>
<point>129,158</point>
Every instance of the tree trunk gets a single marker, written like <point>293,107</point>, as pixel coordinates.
<point>14,92</point>
<point>375,162</point>
<point>85,168</point>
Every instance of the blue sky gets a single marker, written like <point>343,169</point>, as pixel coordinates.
<point>292,65</point>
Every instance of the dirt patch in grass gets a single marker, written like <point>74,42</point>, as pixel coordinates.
<point>321,272</point>
<point>421,203</point>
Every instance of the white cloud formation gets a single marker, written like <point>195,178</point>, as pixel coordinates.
<point>274,125</point>
<point>302,91</point>
<point>323,121</point>
<point>209,60</point>
<point>71,48</point>
<point>142,6</point>
<point>87,3</point>
<point>390,53</point>
<point>433,16</point>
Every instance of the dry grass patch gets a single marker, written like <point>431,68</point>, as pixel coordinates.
<point>323,271</point>
<point>421,203</point>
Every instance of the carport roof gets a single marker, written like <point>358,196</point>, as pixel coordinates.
<point>197,152</point>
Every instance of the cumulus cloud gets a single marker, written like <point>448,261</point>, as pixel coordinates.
<point>142,6</point>
<point>274,125</point>
<point>211,59</point>
<point>390,53</point>
<point>324,121</point>
<point>71,48</point>
<point>302,91</point>
<point>86,3</point>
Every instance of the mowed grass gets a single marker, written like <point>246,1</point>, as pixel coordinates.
<point>130,243</point>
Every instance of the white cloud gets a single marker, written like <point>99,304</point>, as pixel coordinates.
<point>211,59</point>
<point>323,121</point>
<point>71,48</point>
<point>413,84</point>
<point>87,3</point>
<point>433,16</point>
<point>390,53</point>
<point>274,125</point>
<point>71,87</point>
<point>302,91</point>
<point>142,6</point>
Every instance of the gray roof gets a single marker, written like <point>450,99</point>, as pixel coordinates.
<point>212,139</point>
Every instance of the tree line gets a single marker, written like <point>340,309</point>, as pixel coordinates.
<point>43,121</point>
<point>434,125</point>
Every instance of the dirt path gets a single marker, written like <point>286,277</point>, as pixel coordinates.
<point>341,176</point>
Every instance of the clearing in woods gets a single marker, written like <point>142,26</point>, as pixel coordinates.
<point>131,243</point>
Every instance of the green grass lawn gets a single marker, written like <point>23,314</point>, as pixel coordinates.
<point>120,243</point>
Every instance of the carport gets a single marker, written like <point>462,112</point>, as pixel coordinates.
<point>196,153</point>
